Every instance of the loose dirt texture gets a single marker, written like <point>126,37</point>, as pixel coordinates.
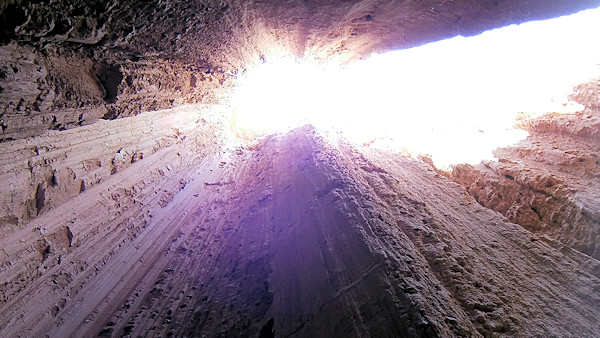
<point>295,236</point>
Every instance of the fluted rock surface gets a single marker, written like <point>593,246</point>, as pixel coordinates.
<point>116,221</point>
<point>550,182</point>
<point>71,199</point>
<point>297,235</point>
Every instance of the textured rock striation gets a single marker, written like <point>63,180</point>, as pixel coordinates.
<point>548,183</point>
<point>82,170</point>
<point>119,217</point>
<point>295,236</point>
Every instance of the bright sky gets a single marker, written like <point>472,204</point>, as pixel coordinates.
<point>455,100</point>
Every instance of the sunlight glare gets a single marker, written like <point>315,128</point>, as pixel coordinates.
<point>455,100</point>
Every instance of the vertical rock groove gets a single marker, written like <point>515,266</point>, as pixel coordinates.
<point>300,236</point>
<point>129,206</point>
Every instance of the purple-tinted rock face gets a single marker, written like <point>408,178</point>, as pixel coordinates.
<point>295,235</point>
<point>115,222</point>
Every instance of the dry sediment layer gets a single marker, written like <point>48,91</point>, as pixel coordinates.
<point>72,199</point>
<point>550,182</point>
<point>146,226</point>
<point>296,235</point>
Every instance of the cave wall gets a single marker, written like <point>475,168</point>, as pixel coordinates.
<point>40,173</point>
<point>59,89</point>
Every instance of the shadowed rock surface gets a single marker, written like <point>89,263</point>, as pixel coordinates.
<point>119,217</point>
<point>315,237</point>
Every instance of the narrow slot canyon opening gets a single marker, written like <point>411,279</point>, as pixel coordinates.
<point>455,100</point>
<point>346,168</point>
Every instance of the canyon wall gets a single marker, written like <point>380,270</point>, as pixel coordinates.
<point>119,217</point>
<point>71,200</point>
<point>550,182</point>
<point>65,64</point>
<point>297,235</point>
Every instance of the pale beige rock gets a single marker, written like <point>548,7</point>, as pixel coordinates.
<point>119,218</point>
<point>319,237</point>
<point>550,182</point>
